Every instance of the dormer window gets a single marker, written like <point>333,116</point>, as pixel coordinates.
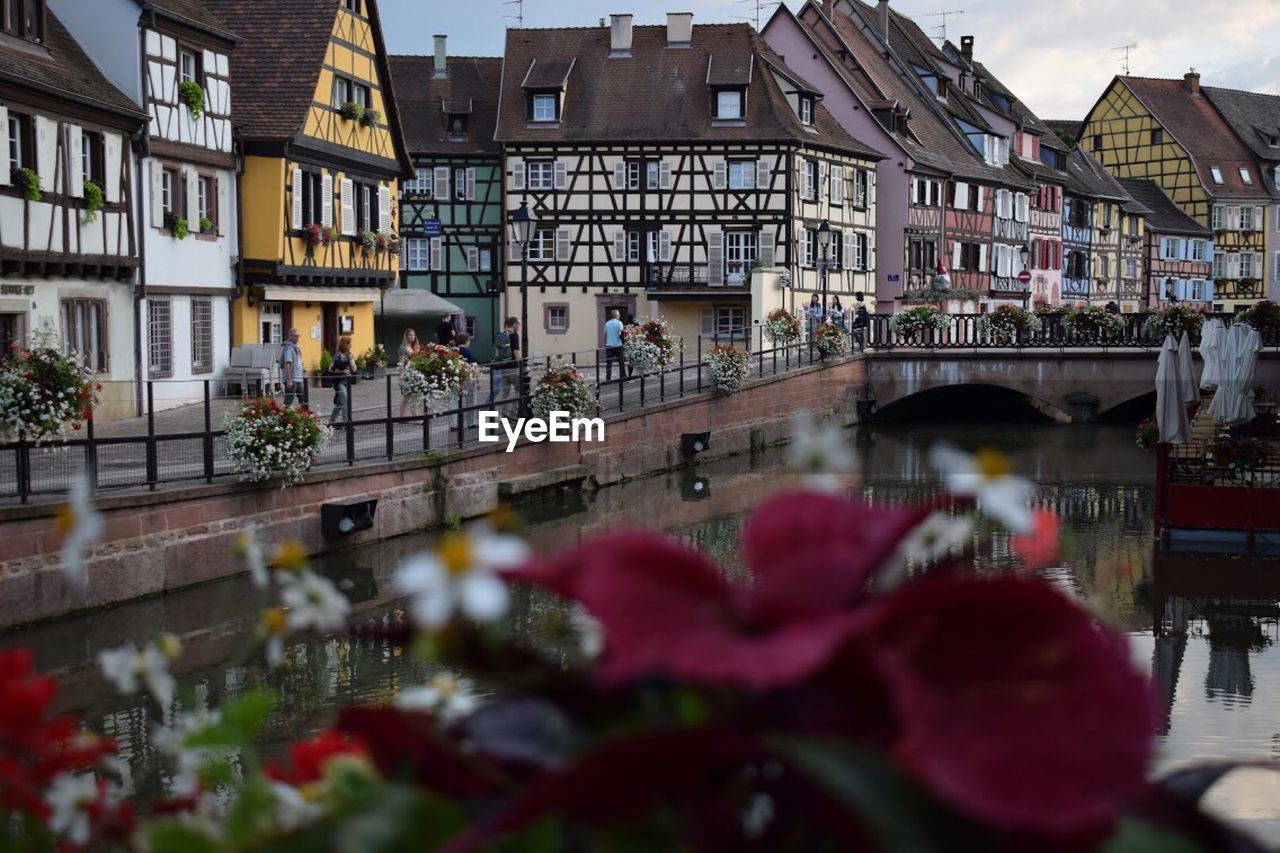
<point>806,110</point>
<point>457,127</point>
<point>1273,140</point>
<point>1246,176</point>
<point>729,104</point>
<point>24,19</point>
<point>544,108</point>
<point>190,66</point>
<point>1217,174</point>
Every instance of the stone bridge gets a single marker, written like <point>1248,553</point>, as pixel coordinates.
<point>1069,385</point>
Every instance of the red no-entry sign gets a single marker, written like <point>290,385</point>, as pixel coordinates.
<point>1024,277</point>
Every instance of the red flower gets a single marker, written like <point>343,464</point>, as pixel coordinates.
<point>1039,547</point>
<point>309,757</point>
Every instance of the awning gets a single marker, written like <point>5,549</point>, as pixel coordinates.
<point>306,293</point>
<point>417,301</point>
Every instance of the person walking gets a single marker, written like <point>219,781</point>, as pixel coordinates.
<point>861,323</point>
<point>463,342</point>
<point>814,314</point>
<point>837,314</point>
<point>613,346</point>
<point>446,332</point>
<point>340,373</point>
<point>408,347</point>
<point>291,370</point>
<point>504,371</point>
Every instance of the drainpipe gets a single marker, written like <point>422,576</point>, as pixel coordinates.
<point>140,143</point>
<point>241,291</point>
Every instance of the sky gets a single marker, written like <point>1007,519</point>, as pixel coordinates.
<point>1232,43</point>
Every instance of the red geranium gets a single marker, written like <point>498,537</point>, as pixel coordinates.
<point>308,757</point>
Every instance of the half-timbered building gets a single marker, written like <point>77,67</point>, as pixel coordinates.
<point>323,156</point>
<point>451,224</point>
<point>1169,132</point>
<point>1178,251</point>
<point>68,249</point>
<point>175,63</point>
<point>1115,236</point>
<point>664,164</point>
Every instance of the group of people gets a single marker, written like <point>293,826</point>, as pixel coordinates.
<point>854,320</point>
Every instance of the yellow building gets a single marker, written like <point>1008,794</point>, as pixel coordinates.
<point>323,155</point>
<point>1167,131</point>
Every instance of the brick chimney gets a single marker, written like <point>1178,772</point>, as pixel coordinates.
<point>883,8</point>
<point>620,35</point>
<point>679,29</point>
<point>966,48</point>
<point>1191,81</point>
<point>442,62</point>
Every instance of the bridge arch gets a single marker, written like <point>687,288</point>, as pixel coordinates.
<point>972,401</point>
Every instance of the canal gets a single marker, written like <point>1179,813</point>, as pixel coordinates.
<point>1205,627</point>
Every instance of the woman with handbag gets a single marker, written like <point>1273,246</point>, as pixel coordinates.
<point>340,373</point>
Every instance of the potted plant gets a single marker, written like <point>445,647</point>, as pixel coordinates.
<point>351,111</point>
<point>27,182</point>
<point>563,389</point>
<point>1239,456</point>
<point>830,340</point>
<point>372,360</point>
<point>207,225</point>
<point>370,117</point>
<point>727,367</point>
<point>1093,320</point>
<point>92,202</point>
<point>647,345</point>
<point>1148,433</point>
<point>435,374</point>
<point>266,439</point>
<point>1265,318</point>
<point>914,323</point>
<point>367,242</point>
<point>43,391</point>
<point>315,235</point>
<point>1174,320</point>
<point>781,327</point>
<point>1008,324</point>
<point>177,226</point>
<point>192,97</point>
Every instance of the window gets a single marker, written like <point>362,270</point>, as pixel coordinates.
<point>1247,265</point>
<point>1220,265</point>
<point>724,321</point>
<point>652,175</point>
<point>557,319</point>
<point>460,184</point>
<point>341,91</point>
<point>835,252</point>
<point>1246,176</point>
<point>1097,142</point>
<point>84,331</point>
<point>1171,249</point>
<point>21,142</point>
<point>457,128</point>
<point>740,250</point>
<point>159,338</point>
<point>540,175</point>
<point>189,64</point>
<point>922,255</point>
<point>1106,216</point>
<point>1198,249</point>
<point>809,248</point>
<point>170,188</point>
<point>860,181</point>
<point>860,252</point>
<point>24,19</point>
<point>351,6</point>
<point>1130,268</point>
<point>806,110</point>
<point>1246,219</point>
<point>542,248</point>
<point>742,174</point>
<point>1104,266</point>
<point>729,104</point>
<point>91,157</point>
<point>207,199</point>
<point>970,257</point>
<point>365,194</point>
<point>633,247</point>
<point>363,95</point>
<point>1157,136</point>
<point>809,178</point>
<point>201,334</point>
<point>1132,226</point>
<point>312,193</point>
<point>417,252</point>
<point>419,184</point>
<point>926,192</point>
<point>484,260</point>
<point>544,107</point>
<point>1217,174</point>
<point>633,168</point>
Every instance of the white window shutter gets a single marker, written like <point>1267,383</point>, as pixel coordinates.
<point>563,246</point>
<point>471,184</point>
<point>296,217</point>
<point>347,208</point>
<point>767,247</point>
<point>384,209</point>
<point>664,247</point>
<point>715,257</point>
<point>561,172</point>
<point>1258,215</point>
<point>517,174</point>
<point>473,259</point>
<point>157,194</point>
<point>915,190</point>
<point>5,179</point>
<point>955,255</point>
<point>192,180</point>
<point>620,245</point>
<point>837,185</point>
<point>719,175</point>
<point>620,175</point>
<point>437,254</point>
<point>440,179</point>
<point>982,258</point>
<point>326,201</point>
<point>962,196</point>
<point>664,175</point>
<point>764,171</point>
<point>75,175</point>
<point>979,198</point>
<point>846,249</point>
<point>224,206</point>
<point>46,152</point>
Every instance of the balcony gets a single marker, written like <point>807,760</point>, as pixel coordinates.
<point>1010,285</point>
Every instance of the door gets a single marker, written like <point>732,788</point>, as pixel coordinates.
<point>626,310</point>
<point>330,334</point>
<point>271,323</point>
<point>11,332</point>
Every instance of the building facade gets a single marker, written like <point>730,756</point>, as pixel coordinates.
<point>1178,252</point>
<point>1169,132</point>
<point>323,157</point>
<point>652,210</point>
<point>451,223</point>
<point>68,240</point>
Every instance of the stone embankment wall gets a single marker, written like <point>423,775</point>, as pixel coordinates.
<point>154,543</point>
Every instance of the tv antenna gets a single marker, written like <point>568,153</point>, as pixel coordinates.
<point>758,10</point>
<point>518,17</point>
<point>1126,48</point>
<point>942,28</point>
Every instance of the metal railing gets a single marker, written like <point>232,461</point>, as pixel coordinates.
<point>181,439</point>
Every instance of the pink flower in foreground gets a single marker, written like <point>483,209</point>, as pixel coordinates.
<point>1039,547</point>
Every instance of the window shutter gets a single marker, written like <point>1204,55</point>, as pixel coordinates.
<point>979,197</point>
<point>1258,214</point>
<point>517,174</point>
<point>719,175</point>
<point>561,171</point>
<point>157,194</point>
<point>75,174</point>
<point>620,175</point>
<point>46,152</point>
<point>440,192</point>
<point>347,209</point>
<point>473,259</point>
<point>296,217</point>
<point>955,255</point>
<point>664,247</point>
<point>915,191</point>
<point>962,196</point>
<point>471,184</point>
<point>192,181</point>
<point>326,201</point>
<point>404,255</point>
<point>982,258</point>
<point>562,245</point>
<point>715,257</point>
<point>846,249</point>
<point>224,206</point>
<point>763,173</point>
<point>5,178</point>
<point>664,175</point>
<point>384,209</point>
<point>837,185</point>
<point>619,245</point>
<point>766,248</point>
<point>437,254</point>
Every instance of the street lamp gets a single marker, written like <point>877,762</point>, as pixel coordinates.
<point>1170,294</point>
<point>1025,254</point>
<point>523,223</point>
<point>824,243</point>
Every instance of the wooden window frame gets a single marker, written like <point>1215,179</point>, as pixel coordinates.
<point>551,173</point>
<point>547,308</point>
<point>95,169</point>
<point>742,103</point>
<point>209,185</point>
<point>533,107</point>
<point>176,203</point>
<point>101,360</point>
<point>808,107</point>
<point>155,369</point>
<point>16,20</point>
<point>25,124</point>
<point>202,346</point>
<point>197,62</point>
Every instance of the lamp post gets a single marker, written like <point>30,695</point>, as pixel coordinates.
<point>824,243</point>
<point>523,223</point>
<point>1025,254</point>
<point>1170,295</point>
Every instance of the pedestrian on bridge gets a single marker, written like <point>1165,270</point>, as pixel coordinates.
<point>613,346</point>
<point>291,371</point>
<point>814,313</point>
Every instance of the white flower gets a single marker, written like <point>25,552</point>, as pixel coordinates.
<point>312,602</point>
<point>448,697</point>
<point>460,575</point>
<point>985,476</point>
<point>188,760</point>
<point>127,668</point>
<point>822,453</point>
<point>69,797</point>
<point>936,537</point>
<point>82,525</point>
<point>293,810</point>
<point>587,627</point>
<point>249,549</point>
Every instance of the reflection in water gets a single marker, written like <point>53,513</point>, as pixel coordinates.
<point>1206,626</point>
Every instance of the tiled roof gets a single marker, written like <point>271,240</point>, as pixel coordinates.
<point>472,84</point>
<point>1195,124</point>
<point>193,13</point>
<point>1093,178</point>
<point>61,69</point>
<point>1071,127</point>
<point>1163,216</point>
<point>658,93</point>
<point>1255,117</point>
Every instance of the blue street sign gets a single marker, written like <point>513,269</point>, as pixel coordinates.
<point>431,228</point>
<point>895,277</point>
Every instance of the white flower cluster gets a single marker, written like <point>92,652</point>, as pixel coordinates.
<point>728,369</point>
<point>782,327</point>
<point>1092,318</point>
<point>1003,323</point>
<point>564,389</point>
<point>644,355</point>
<point>39,412</point>
<point>447,381</point>
<point>830,340</point>
<point>918,319</point>
<point>264,446</point>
